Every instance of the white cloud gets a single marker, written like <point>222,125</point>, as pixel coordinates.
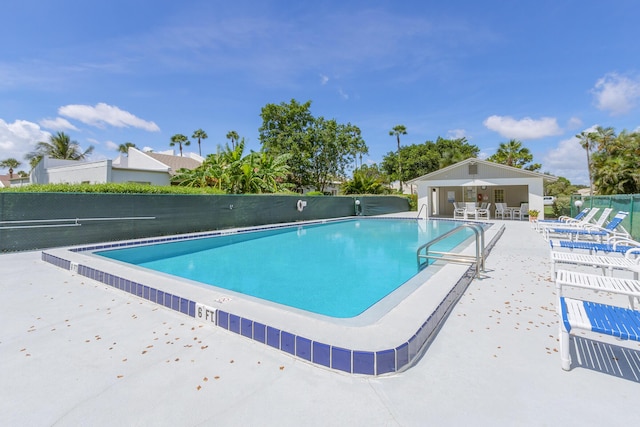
<point>526,128</point>
<point>574,123</point>
<point>343,94</point>
<point>324,79</point>
<point>58,123</point>
<point>569,160</point>
<point>616,94</point>
<point>19,138</point>
<point>112,145</point>
<point>103,114</point>
<point>457,133</point>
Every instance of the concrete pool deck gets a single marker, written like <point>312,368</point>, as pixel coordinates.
<point>76,352</point>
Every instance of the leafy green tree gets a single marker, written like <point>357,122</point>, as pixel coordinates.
<point>561,187</point>
<point>397,131</point>
<point>425,158</point>
<point>10,163</point>
<point>230,171</point>
<point>453,151</point>
<point>284,130</point>
<point>60,146</point>
<point>332,147</point>
<point>514,154</point>
<point>317,149</point>
<point>616,164</point>
<point>272,172</point>
<point>124,148</point>
<point>179,139</point>
<point>199,135</point>
<point>366,180</point>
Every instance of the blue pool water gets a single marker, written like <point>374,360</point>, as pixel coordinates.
<point>337,269</point>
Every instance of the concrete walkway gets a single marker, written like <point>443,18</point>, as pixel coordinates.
<point>74,352</point>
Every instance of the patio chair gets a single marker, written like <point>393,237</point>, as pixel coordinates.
<point>522,212</point>
<point>484,213</point>
<point>502,212</point>
<point>458,210</point>
<point>589,230</point>
<point>470,210</point>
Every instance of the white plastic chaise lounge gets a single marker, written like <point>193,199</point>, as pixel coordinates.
<point>577,314</point>
<point>623,323</point>
<point>614,244</point>
<point>629,262</point>
<point>591,231</point>
<point>586,219</point>
<point>563,219</point>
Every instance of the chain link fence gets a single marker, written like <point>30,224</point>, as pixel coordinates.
<point>621,202</point>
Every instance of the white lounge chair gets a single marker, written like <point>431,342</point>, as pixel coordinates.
<point>629,262</point>
<point>614,244</point>
<point>591,231</point>
<point>623,323</point>
<point>563,219</point>
<point>605,319</point>
<point>572,222</point>
<point>586,220</point>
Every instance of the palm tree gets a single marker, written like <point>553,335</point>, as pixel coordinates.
<point>604,137</point>
<point>10,163</point>
<point>586,142</point>
<point>233,137</point>
<point>59,146</point>
<point>397,131</point>
<point>179,139</point>
<point>199,134</point>
<point>512,154</point>
<point>124,148</point>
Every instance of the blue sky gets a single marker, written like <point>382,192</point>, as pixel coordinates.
<point>141,71</point>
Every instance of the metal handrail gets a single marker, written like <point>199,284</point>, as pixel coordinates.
<point>72,222</point>
<point>424,205</point>
<point>479,257</point>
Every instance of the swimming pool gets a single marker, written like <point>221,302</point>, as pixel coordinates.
<point>387,337</point>
<point>336,269</point>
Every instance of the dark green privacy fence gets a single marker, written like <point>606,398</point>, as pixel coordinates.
<point>621,202</point>
<point>42,220</point>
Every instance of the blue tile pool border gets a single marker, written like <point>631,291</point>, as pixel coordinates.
<point>353,361</point>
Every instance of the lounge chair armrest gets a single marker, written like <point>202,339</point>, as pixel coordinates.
<point>633,254</point>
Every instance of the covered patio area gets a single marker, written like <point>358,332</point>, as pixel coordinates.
<point>479,181</point>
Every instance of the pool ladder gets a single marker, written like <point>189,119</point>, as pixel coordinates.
<point>478,258</point>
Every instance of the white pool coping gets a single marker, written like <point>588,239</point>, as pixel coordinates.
<point>75,352</point>
<point>383,328</point>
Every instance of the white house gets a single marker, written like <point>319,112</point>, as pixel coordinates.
<point>138,166</point>
<point>475,180</point>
